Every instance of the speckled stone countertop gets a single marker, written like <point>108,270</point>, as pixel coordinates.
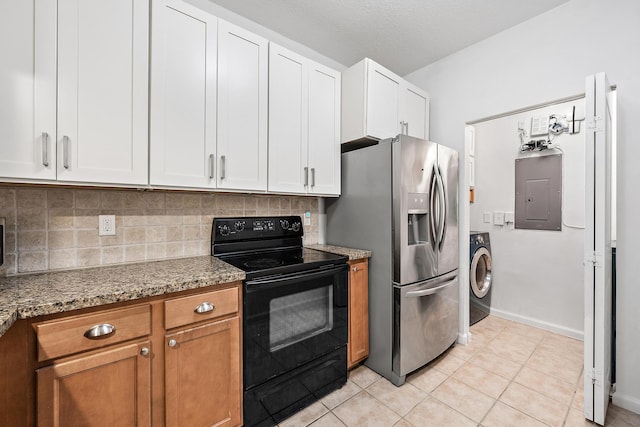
<point>33,295</point>
<point>351,253</point>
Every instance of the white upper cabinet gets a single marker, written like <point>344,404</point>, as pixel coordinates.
<point>28,89</point>
<point>242,109</point>
<point>103,91</point>
<point>183,96</point>
<point>379,104</point>
<point>324,130</point>
<point>304,125</point>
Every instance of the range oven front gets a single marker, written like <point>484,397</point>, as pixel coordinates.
<point>295,318</point>
<point>295,335</point>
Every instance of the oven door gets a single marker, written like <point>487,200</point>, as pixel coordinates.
<point>290,320</point>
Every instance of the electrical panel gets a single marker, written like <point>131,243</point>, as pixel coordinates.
<point>539,193</point>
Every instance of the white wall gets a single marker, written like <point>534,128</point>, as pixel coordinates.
<point>537,274</point>
<point>274,36</point>
<point>548,58</point>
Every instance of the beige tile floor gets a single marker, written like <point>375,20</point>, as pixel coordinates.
<point>509,375</point>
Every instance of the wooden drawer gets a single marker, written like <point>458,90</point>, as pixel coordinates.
<point>70,335</point>
<point>183,311</point>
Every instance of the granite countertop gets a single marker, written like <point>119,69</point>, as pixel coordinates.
<point>34,295</point>
<point>351,253</point>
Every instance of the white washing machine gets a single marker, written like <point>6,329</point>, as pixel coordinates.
<point>480,277</point>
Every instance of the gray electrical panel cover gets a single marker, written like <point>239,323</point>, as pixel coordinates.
<point>539,193</point>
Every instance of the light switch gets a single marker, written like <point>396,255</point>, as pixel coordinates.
<point>498,218</point>
<point>508,217</point>
<point>486,217</point>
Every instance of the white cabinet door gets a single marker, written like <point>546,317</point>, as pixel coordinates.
<point>288,113</point>
<point>324,130</point>
<point>103,91</point>
<point>183,96</point>
<point>28,89</point>
<point>415,111</point>
<point>242,109</point>
<point>383,102</point>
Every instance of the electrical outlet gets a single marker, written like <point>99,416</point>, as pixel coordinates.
<point>486,217</point>
<point>498,218</point>
<point>107,225</point>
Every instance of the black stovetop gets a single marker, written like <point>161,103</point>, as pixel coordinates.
<point>263,246</point>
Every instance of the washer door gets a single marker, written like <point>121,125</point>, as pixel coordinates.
<point>480,273</point>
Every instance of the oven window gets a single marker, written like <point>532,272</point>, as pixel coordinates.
<point>295,317</point>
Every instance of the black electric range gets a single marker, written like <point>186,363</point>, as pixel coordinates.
<point>295,315</point>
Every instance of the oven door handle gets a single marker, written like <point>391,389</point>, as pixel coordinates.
<point>283,280</point>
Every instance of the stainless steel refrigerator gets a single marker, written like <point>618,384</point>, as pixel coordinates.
<point>400,200</point>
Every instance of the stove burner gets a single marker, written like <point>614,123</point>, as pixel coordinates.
<point>262,263</point>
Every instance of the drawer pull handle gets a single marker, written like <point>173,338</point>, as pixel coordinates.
<point>99,332</point>
<point>204,307</point>
<point>173,343</point>
<point>144,351</point>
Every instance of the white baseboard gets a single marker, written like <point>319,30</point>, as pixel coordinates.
<point>562,330</point>
<point>627,402</point>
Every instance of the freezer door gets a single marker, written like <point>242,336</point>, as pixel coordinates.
<point>425,322</point>
<point>414,233</point>
<point>447,233</point>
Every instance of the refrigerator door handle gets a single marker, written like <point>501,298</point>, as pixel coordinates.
<point>431,291</point>
<point>442,226</point>
<point>432,208</point>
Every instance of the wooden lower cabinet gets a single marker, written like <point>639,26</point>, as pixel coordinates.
<point>109,388</point>
<point>358,346</point>
<point>203,376</point>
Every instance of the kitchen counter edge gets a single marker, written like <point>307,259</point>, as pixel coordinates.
<point>39,294</point>
<point>352,253</point>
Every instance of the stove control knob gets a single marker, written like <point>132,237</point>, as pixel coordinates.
<point>296,226</point>
<point>239,226</point>
<point>224,230</point>
<point>284,224</point>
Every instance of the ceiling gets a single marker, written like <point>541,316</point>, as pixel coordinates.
<point>403,35</point>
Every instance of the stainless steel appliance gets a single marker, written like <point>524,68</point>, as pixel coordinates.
<point>480,276</point>
<point>294,318</point>
<point>400,200</point>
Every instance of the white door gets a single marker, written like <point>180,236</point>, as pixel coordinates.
<point>288,120</point>
<point>383,102</point>
<point>415,111</point>
<point>183,96</point>
<point>28,89</point>
<point>597,272</point>
<point>324,130</point>
<point>242,108</point>
<point>103,91</point>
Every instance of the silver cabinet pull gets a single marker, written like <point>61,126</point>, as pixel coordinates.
<point>172,343</point>
<point>354,269</point>
<point>223,168</point>
<point>65,152</point>
<point>306,176</point>
<point>313,177</point>
<point>406,128</point>
<point>211,165</point>
<point>98,332</point>
<point>45,149</point>
<point>402,127</point>
<point>144,351</point>
<point>204,307</point>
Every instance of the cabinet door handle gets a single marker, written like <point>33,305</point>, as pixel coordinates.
<point>223,168</point>
<point>45,149</point>
<point>306,176</point>
<point>406,128</point>
<point>211,165</point>
<point>204,308</point>
<point>65,152</point>
<point>144,351</point>
<point>313,177</point>
<point>99,332</point>
<point>402,127</point>
<point>172,343</point>
<point>354,269</point>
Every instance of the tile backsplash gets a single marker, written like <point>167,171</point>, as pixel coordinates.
<point>57,228</point>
